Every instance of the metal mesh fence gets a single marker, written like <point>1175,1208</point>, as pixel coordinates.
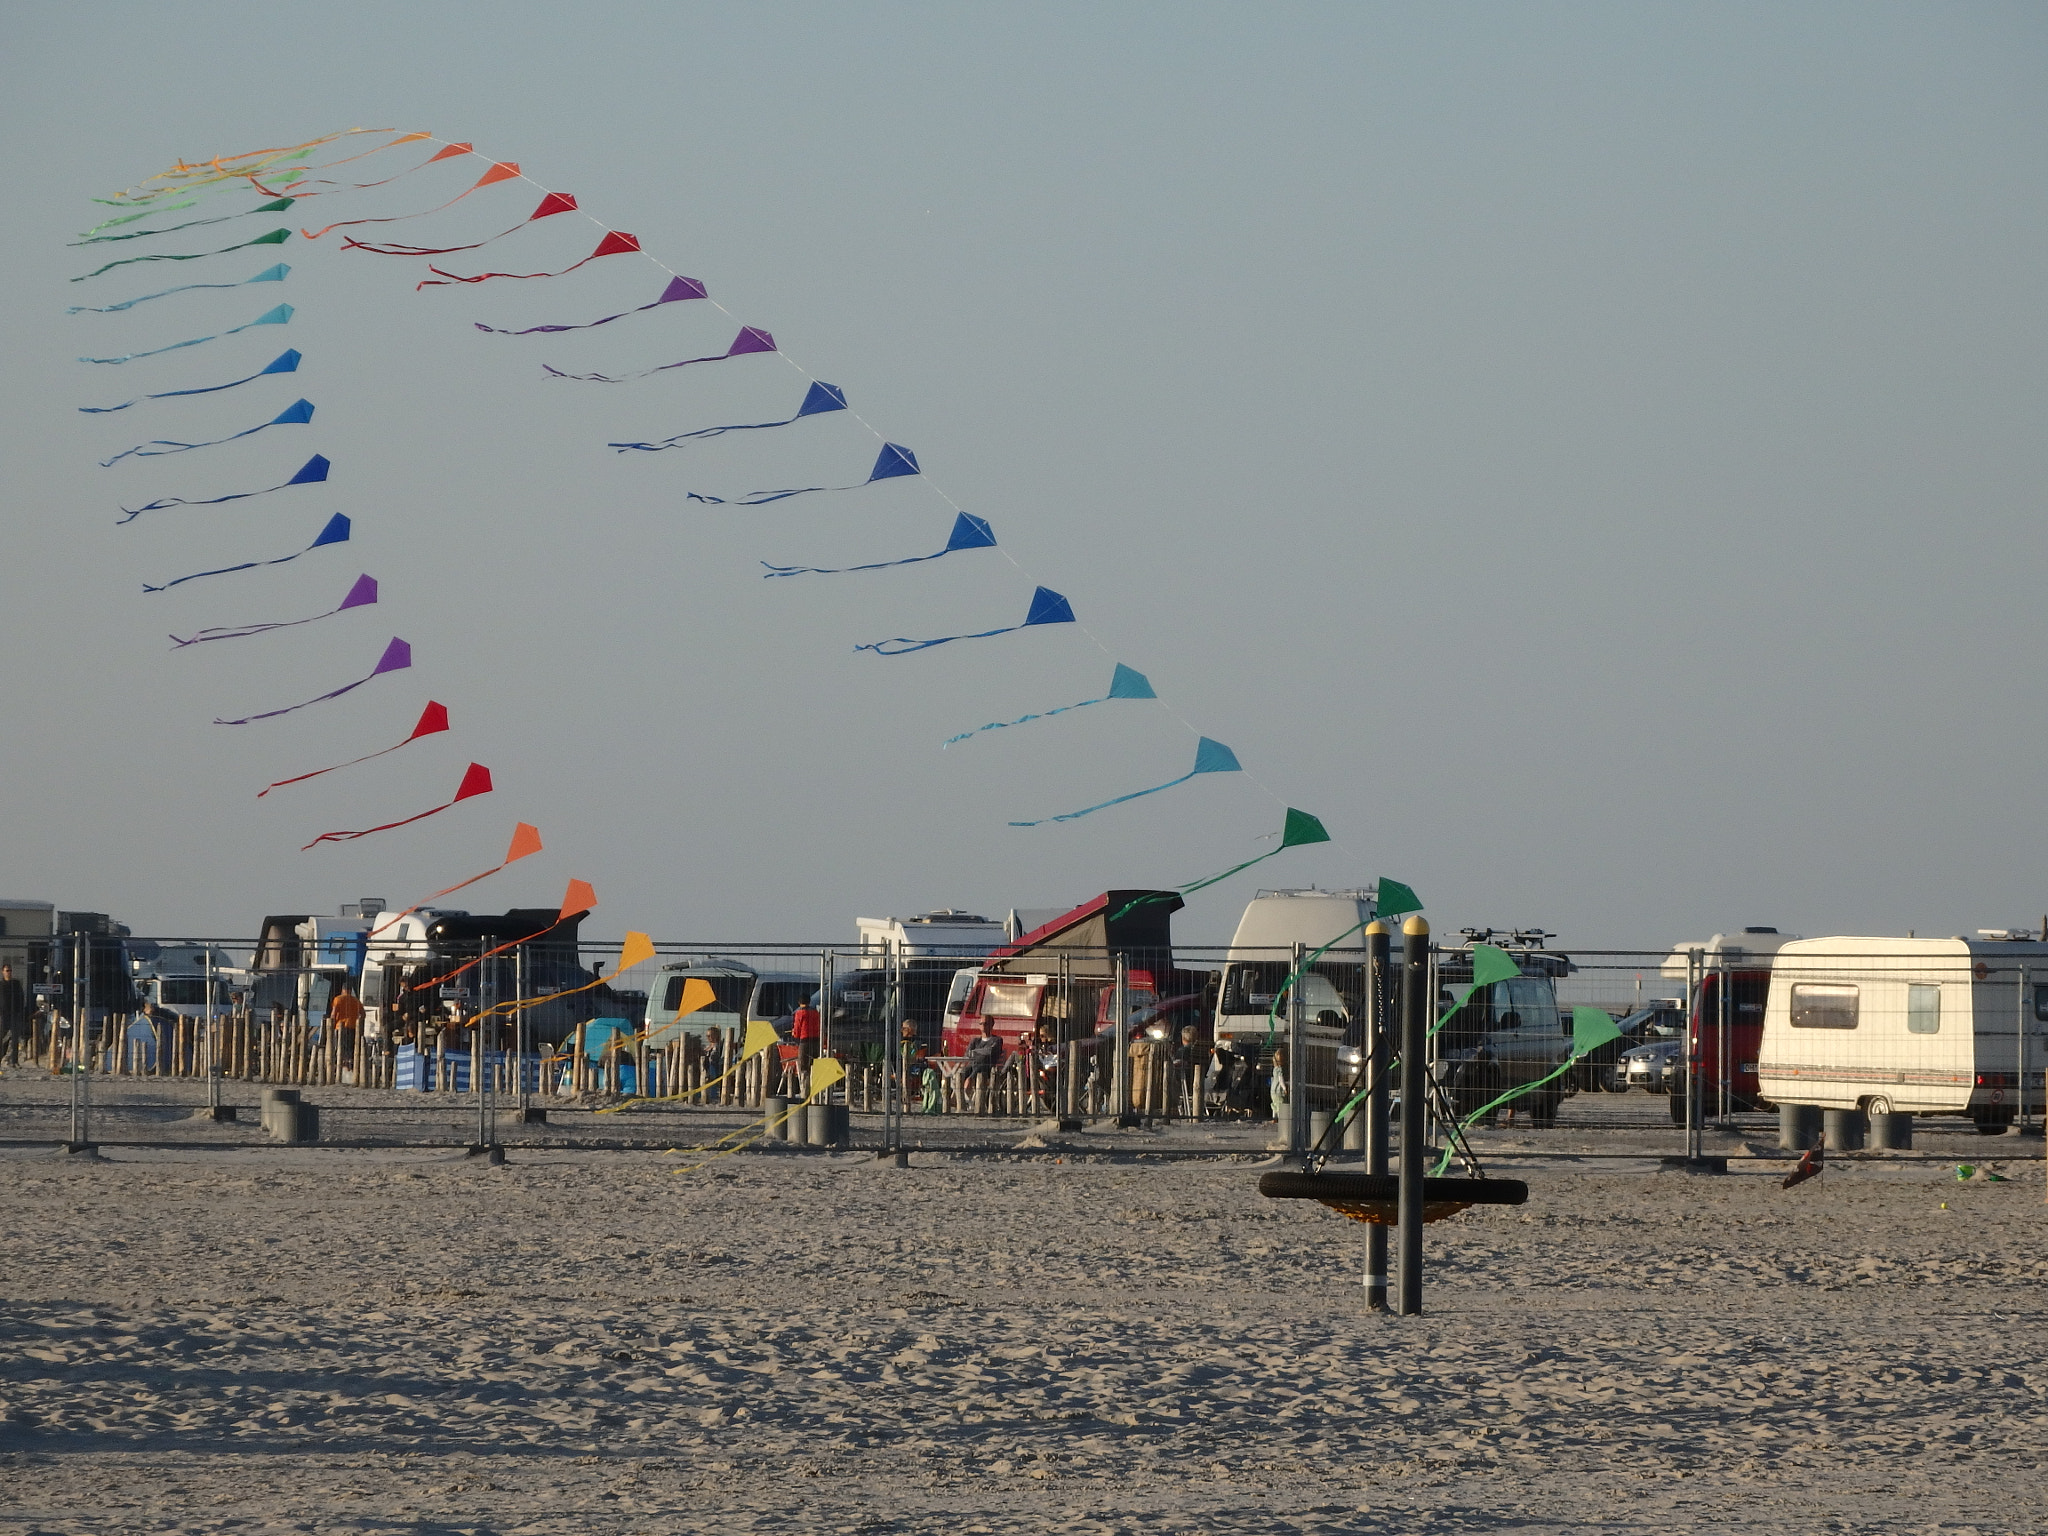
<point>456,1041</point>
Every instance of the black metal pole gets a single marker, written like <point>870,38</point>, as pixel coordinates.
<point>1415,1004</point>
<point>1378,1054</point>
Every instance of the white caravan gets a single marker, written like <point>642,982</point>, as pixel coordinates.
<point>1915,1026</point>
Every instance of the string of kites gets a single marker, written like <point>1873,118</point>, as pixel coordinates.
<point>285,179</point>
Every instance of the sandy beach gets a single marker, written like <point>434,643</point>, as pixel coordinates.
<point>1073,1337</point>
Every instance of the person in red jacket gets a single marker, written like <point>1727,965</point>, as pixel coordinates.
<point>803,1029</point>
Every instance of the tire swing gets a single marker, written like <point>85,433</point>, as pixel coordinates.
<point>1375,1198</point>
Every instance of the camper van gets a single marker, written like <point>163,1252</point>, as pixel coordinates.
<point>1912,1026</point>
<point>1723,1034</point>
<point>1252,1002</point>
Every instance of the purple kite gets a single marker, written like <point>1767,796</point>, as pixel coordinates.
<point>678,288</point>
<point>751,339</point>
<point>396,658</point>
<point>361,595</point>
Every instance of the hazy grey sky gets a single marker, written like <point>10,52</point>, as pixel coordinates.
<point>1589,455</point>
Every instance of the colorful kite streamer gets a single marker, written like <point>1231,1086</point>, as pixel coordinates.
<point>297,414</point>
<point>275,237</point>
<point>1124,683</point>
<point>279,316</point>
<point>396,658</point>
<point>578,899</point>
<point>969,532</point>
<point>893,462</point>
<point>1296,828</point>
<point>504,170</point>
<point>130,218</point>
<point>1047,607</point>
<point>336,532</point>
<point>678,289</point>
<point>277,206</point>
<point>637,949</point>
<point>476,780</point>
<point>615,243</point>
<point>433,721</point>
<point>361,595</point>
<point>312,472</point>
<point>1210,757</point>
<point>553,203</point>
<point>446,152</point>
<point>525,840</point>
<point>818,399</point>
<point>274,274</point>
<point>750,340</point>
<point>286,361</point>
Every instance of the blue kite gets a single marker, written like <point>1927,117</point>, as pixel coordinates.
<point>298,414</point>
<point>818,399</point>
<point>891,463</point>
<point>274,274</point>
<point>1210,757</point>
<point>336,532</point>
<point>286,361</point>
<point>1047,607</point>
<point>969,532</point>
<point>312,472</point>
<point>1124,683</point>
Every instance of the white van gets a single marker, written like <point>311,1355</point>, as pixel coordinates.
<point>732,993</point>
<point>1917,1026</point>
<point>1251,1000</point>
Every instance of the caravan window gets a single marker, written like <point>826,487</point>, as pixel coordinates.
<point>1823,1005</point>
<point>728,993</point>
<point>1009,1000</point>
<point>1923,1009</point>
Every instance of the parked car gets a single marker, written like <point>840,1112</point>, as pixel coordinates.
<point>1656,1066</point>
<point>1636,1060</point>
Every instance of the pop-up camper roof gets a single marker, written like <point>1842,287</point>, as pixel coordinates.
<point>1137,925</point>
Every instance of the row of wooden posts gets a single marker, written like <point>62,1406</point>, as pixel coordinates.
<point>256,1049</point>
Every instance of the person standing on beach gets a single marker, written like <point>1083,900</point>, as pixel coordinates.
<point>803,1029</point>
<point>345,1014</point>
<point>13,1016</point>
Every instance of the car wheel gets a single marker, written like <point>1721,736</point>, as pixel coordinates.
<point>1991,1122</point>
<point>1614,1080</point>
<point>1677,1108</point>
<point>1878,1105</point>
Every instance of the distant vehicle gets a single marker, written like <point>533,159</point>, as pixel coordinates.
<point>1253,1004</point>
<point>1915,1026</point>
<point>1507,1035</point>
<point>404,967</point>
<point>1746,958</point>
<point>173,979</point>
<point>732,990</point>
<point>1656,1066</point>
<point>1614,1067</point>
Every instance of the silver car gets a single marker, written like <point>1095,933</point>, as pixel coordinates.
<point>1656,1065</point>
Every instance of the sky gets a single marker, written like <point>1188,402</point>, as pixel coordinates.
<point>1588,455</point>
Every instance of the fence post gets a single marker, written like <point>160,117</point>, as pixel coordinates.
<point>1378,951</point>
<point>1297,1063</point>
<point>1120,1072</point>
<point>1415,1006</point>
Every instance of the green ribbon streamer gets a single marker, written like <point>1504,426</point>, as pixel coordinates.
<point>275,237</point>
<point>1489,964</point>
<point>1591,1029</point>
<point>1296,828</point>
<point>278,206</point>
<point>1389,890</point>
<point>130,218</point>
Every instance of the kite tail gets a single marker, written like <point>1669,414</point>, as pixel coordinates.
<point>1003,725</point>
<point>903,647</point>
<point>349,837</point>
<point>841,570</point>
<point>163,446</point>
<point>683,437</point>
<point>272,714</point>
<point>1136,794</point>
<point>302,777</point>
